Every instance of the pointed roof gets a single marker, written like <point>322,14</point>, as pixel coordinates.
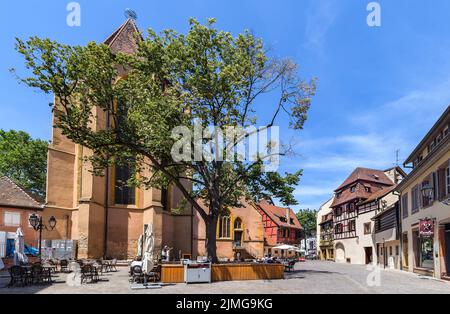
<point>365,174</point>
<point>124,38</point>
<point>11,195</point>
<point>277,213</point>
<point>379,194</point>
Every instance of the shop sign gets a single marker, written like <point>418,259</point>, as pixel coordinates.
<point>426,228</point>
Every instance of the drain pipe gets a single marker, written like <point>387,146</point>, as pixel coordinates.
<point>106,200</point>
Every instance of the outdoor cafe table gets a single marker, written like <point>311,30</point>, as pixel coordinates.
<point>45,269</point>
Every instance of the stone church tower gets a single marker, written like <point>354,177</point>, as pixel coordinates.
<point>107,219</point>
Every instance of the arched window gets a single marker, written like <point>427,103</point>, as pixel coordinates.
<point>224,227</point>
<point>238,224</point>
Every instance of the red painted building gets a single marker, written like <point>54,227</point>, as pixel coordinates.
<point>281,226</point>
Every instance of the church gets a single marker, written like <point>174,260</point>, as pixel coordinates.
<point>106,218</point>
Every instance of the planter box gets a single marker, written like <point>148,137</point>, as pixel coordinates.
<point>228,272</point>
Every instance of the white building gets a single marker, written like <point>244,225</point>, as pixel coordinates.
<point>356,202</point>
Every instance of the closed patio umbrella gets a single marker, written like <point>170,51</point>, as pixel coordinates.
<point>140,245</point>
<point>149,243</point>
<point>19,245</point>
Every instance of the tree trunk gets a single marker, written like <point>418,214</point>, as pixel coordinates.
<point>211,239</point>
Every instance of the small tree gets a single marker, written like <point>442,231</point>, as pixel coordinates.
<point>308,220</point>
<point>24,160</point>
<point>206,78</point>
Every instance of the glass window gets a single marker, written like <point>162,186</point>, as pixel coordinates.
<point>368,228</point>
<point>124,194</point>
<point>238,224</point>
<point>426,253</point>
<point>352,225</point>
<point>405,205</point>
<point>224,227</point>
<point>12,219</point>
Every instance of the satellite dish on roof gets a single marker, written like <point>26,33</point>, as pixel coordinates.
<point>130,14</point>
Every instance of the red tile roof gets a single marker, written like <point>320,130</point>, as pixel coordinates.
<point>377,180</point>
<point>275,213</point>
<point>379,194</point>
<point>11,195</point>
<point>365,174</point>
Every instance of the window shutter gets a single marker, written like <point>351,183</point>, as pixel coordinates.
<point>434,185</point>
<point>419,196</point>
<point>441,183</point>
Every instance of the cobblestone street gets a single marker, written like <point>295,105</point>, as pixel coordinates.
<point>311,277</point>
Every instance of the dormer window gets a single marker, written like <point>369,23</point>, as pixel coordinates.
<point>338,195</point>
<point>367,189</point>
<point>353,189</point>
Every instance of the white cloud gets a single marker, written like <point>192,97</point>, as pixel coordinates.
<point>320,17</point>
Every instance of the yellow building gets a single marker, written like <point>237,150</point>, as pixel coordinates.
<point>425,210</point>
<point>325,232</point>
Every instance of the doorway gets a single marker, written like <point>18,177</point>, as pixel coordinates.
<point>447,249</point>
<point>369,255</point>
<point>237,238</point>
<point>405,251</point>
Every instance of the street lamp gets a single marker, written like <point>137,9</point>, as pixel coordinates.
<point>427,191</point>
<point>37,224</point>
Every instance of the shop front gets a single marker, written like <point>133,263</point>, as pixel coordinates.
<point>444,235</point>
<point>431,248</point>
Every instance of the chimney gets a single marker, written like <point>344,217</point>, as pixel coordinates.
<point>288,215</point>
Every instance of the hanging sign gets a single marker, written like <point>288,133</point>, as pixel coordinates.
<point>426,228</point>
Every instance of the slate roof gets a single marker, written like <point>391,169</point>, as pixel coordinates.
<point>124,38</point>
<point>11,195</point>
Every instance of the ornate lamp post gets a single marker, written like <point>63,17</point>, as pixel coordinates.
<point>37,224</point>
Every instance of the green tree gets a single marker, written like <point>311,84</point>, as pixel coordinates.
<point>24,160</point>
<point>206,77</point>
<point>308,220</point>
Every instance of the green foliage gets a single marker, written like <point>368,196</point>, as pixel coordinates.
<point>308,220</point>
<point>207,76</point>
<point>24,160</point>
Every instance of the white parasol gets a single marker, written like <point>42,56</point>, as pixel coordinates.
<point>149,246</point>
<point>19,254</point>
<point>285,247</point>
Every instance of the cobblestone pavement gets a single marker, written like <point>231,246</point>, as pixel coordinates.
<point>310,277</point>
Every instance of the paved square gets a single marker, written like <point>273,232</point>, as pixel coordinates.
<point>314,277</point>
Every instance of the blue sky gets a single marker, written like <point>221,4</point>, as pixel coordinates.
<point>379,89</point>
